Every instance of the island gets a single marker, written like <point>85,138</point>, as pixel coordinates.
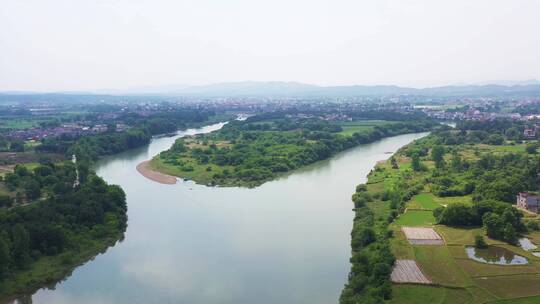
<point>438,221</point>
<point>263,147</point>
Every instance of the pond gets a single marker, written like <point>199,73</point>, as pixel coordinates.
<point>495,255</point>
<point>526,244</point>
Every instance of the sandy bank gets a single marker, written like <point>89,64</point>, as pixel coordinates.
<point>146,171</point>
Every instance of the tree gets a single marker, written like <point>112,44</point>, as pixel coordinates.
<point>19,198</point>
<point>513,133</point>
<point>457,214</point>
<point>479,242</point>
<point>32,189</point>
<point>394,163</point>
<point>4,257</point>
<point>21,245</point>
<point>510,234</point>
<point>179,146</point>
<point>381,272</point>
<point>21,170</point>
<point>532,147</point>
<point>5,201</point>
<point>495,139</point>
<point>415,163</point>
<point>437,154</point>
<point>84,169</point>
<point>3,143</point>
<point>17,146</point>
<point>361,188</point>
<point>494,225</point>
<point>456,162</point>
<point>362,238</point>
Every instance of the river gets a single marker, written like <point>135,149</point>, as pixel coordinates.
<point>286,241</point>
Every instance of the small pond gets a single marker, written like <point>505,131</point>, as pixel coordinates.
<point>526,244</point>
<point>495,255</point>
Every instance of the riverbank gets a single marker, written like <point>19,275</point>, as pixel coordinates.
<point>201,232</point>
<point>399,198</point>
<point>244,154</point>
<point>44,241</point>
<point>50,270</point>
<point>145,170</point>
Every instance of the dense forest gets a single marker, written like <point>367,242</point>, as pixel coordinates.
<point>251,152</point>
<point>63,219</point>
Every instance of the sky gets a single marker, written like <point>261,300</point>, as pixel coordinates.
<point>73,45</point>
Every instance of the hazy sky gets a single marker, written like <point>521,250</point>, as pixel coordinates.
<point>96,44</point>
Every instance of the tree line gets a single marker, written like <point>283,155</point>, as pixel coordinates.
<point>258,155</point>
<point>67,216</point>
<point>141,131</point>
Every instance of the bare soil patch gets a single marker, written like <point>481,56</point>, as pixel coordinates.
<point>422,236</point>
<point>146,171</point>
<point>407,271</point>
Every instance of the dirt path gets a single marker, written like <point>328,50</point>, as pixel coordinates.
<point>146,171</point>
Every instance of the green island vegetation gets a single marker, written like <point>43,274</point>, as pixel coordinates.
<point>251,152</point>
<point>462,183</point>
<point>54,216</point>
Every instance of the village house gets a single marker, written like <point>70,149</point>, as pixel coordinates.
<point>100,128</point>
<point>528,201</point>
<point>120,127</point>
<point>529,133</point>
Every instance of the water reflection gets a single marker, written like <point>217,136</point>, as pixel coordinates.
<point>495,255</point>
<point>27,298</point>
<point>286,241</point>
<point>526,244</point>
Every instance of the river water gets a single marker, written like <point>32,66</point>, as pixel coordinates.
<point>286,241</point>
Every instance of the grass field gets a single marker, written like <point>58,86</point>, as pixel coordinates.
<point>416,218</point>
<point>199,173</point>
<point>439,265</point>
<point>350,130</point>
<point>458,279</point>
<point>423,201</point>
<point>415,294</point>
<point>511,286</point>
<point>351,127</point>
<point>19,123</point>
<point>527,300</point>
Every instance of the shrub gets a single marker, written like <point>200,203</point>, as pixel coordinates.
<point>457,214</point>
<point>385,195</point>
<point>361,188</point>
<point>533,226</point>
<point>479,242</point>
<point>363,237</point>
<point>532,147</point>
<point>187,168</point>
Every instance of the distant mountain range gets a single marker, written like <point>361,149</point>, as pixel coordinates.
<point>296,89</point>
